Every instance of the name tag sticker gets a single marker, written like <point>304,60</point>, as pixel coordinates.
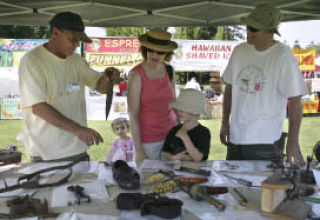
<point>73,87</point>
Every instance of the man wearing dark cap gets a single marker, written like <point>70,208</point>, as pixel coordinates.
<point>52,83</point>
<point>261,77</point>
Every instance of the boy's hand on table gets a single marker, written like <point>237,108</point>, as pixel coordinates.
<point>182,156</point>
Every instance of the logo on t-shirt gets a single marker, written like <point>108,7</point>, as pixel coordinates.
<point>251,79</point>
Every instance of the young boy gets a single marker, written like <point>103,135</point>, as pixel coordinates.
<point>189,140</point>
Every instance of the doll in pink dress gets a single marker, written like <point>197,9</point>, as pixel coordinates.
<point>122,148</point>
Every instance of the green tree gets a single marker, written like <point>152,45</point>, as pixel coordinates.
<point>126,31</point>
<point>317,48</point>
<point>210,33</point>
<point>195,33</point>
<point>234,32</point>
<point>220,35</point>
<point>311,45</point>
<point>296,44</point>
<point>286,43</point>
<point>24,32</point>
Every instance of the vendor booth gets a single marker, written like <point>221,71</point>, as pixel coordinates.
<point>91,190</point>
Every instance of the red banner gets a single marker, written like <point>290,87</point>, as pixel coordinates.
<point>114,45</point>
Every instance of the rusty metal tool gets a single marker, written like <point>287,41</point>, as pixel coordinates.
<point>195,171</point>
<point>239,180</point>
<point>78,192</point>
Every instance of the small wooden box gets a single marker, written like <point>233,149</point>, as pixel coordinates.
<point>272,200</point>
<point>273,192</point>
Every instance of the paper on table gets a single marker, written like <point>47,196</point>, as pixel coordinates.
<point>81,167</point>
<point>7,167</point>
<point>233,166</point>
<point>315,206</point>
<point>105,174</point>
<point>262,165</point>
<point>205,211</point>
<point>61,196</point>
<point>316,174</point>
<point>156,165</point>
<point>201,209</point>
<point>135,214</point>
<point>246,214</point>
<point>217,179</point>
<point>80,216</point>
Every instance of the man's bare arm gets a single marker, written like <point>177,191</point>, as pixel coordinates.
<point>55,118</point>
<point>227,99</point>
<point>295,115</point>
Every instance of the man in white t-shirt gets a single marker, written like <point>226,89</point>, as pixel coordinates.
<point>52,83</point>
<point>261,77</point>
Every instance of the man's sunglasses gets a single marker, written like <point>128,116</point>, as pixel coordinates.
<point>154,51</point>
<point>252,29</point>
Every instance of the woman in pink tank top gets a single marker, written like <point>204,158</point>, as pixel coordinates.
<point>150,93</point>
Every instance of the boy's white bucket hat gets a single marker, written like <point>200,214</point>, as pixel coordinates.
<point>190,100</point>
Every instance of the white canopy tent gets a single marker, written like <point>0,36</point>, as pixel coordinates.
<point>129,13</point>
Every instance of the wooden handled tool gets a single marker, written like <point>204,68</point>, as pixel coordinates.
<point>215,190</point>
<point>191,180</point>
<point>242,200</point>
<point>199,193</point>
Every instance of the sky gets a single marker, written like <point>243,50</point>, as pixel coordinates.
<point>304,31</point>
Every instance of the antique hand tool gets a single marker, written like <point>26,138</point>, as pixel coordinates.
<point>109,93</point>
<point>78,192</point>
<point>239,180</point>
<point>9,156</point>
<point>196,171</point>
<point>199,193</point>
<point>31,181</point>
<point>215,190</point>
<point>183,180</point>
<point>307,175</point>
<point>242,200</point>
<point>24,207</point>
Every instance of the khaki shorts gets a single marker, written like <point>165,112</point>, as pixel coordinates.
<point>257,151</point>
<point>153,150</point>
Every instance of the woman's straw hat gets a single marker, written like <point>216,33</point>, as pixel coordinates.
<point>159,40</point>
<point>190,100</point>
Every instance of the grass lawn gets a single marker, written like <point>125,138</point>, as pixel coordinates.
<point>309,135</point>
